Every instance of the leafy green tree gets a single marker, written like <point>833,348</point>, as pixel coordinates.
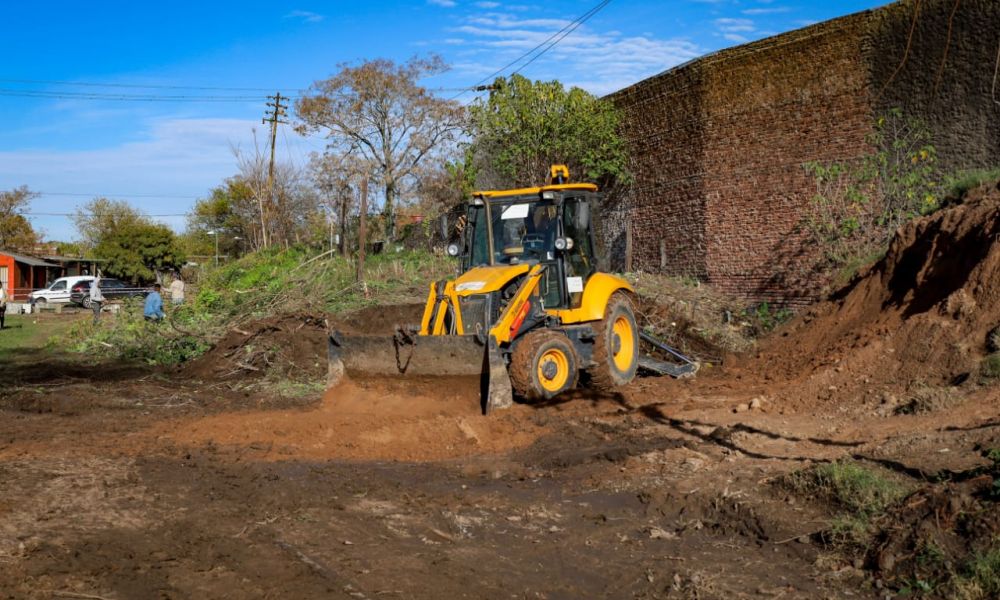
<point>16,232</point>
<point>101,217</point>
<point>231,208</point>
<point>137,250</point>
<point>378,113</point>
<point>523,127</point>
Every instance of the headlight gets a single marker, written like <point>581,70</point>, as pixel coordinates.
<point>564,243</point>
<point>453,249</point>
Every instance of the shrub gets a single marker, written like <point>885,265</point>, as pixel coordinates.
<point>860,204</point>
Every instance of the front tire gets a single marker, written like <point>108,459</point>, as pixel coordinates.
<point>616,345</point>
<point>543,365</point>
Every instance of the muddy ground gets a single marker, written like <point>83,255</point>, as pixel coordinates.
<point>213,480</point>
<point>121,482</point>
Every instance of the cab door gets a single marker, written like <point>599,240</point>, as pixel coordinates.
<point>578,261</point>
<point>59,292</point>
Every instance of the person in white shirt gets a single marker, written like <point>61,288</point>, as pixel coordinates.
<point>3,304</point>
<point>177,291</point>
<point>96,298</point>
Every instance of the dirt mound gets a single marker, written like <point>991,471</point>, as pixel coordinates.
<point>292,345</point>
<point>936,531</point>
<point>379,319</point>
<point>923,313</point>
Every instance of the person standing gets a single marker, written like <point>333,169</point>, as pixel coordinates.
<point>177,291</point>
<point>153,310</point>
<point>3,304</point>
<point>96,298</point>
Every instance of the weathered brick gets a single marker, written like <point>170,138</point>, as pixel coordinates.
<point>718,144</point>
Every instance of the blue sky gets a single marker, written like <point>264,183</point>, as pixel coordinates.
<point>162,155</point>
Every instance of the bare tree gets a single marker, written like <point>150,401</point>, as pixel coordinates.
<point>379,113</point>
<point>278,218</point>
<point>337,177</point>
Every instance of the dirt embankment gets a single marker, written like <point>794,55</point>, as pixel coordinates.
<point>921,315</point>
<point>292,346</point>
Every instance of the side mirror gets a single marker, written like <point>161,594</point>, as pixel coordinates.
<point>581,220</point>
<point>443,227</point>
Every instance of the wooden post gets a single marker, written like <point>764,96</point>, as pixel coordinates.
<point>663,254</point>
<point>362,231</point>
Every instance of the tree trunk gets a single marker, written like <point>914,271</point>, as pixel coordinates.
<point>344,199</point>
<point>362,233</point>
<point>389,213</point>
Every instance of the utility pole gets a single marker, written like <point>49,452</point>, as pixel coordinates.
<point>273,115</point>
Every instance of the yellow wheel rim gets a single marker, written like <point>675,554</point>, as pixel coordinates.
<point>624,344</point>
<point>553,370</point>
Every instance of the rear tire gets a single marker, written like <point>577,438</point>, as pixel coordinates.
<point>616,345</point>
<point>87,303</point>
<point>543,365</point>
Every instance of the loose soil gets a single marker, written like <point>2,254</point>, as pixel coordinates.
<point>210,481</point>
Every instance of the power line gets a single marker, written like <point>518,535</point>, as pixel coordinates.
<point>574,24</point>
<point>137,85</point>
<point>15,93</point>
<point>580,22</point>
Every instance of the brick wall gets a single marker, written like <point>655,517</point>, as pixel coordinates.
<point>718,144</point>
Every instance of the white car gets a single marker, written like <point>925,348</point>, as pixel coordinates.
<point>58,292</point>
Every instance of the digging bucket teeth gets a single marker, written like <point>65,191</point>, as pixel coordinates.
<point>407,355</point>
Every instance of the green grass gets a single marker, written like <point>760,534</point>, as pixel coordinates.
<point>959,184</point>
<point>990,367</point>
<point>980,579</point>
<point>855,265</point>
<point>859,492</point>
<point>28,331</point>
<point>289,388</point>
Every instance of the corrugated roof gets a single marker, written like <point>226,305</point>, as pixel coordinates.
<point>72,258</point>
<point>29,260</point>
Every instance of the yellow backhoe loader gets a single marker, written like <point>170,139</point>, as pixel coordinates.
<point>529,311</point>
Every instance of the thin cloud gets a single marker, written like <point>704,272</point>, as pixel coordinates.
<point>774,10</point>
<point>487,5</point>
<point>305,16</point>
<point>600,62</point>
<point>730,25</point>
<point>444,3</point>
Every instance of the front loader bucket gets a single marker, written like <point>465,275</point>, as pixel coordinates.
<point>405,355</point>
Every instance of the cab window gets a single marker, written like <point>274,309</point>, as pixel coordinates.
<point>580,259</point>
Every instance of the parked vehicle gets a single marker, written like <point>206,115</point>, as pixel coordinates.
<point>59,291</point>
<point>113,289</point>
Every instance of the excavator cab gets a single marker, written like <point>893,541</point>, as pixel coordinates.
<point>529,311</point>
